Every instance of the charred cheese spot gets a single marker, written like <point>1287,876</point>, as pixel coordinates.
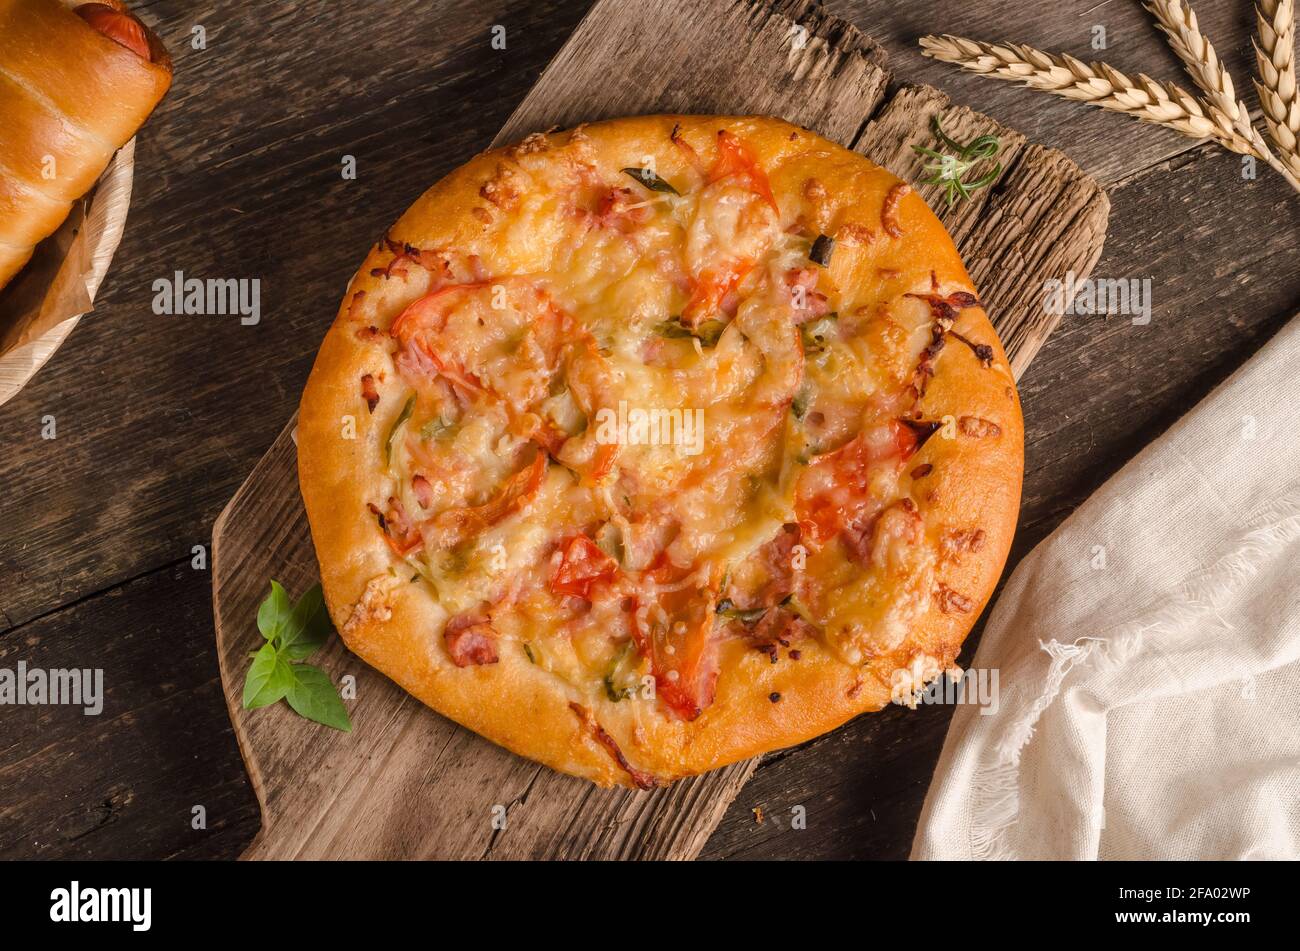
<point>954,543</point>
<point>854,233</point>
<point>889,211</point>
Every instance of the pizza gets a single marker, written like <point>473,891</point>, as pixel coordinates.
<point>658,443</point>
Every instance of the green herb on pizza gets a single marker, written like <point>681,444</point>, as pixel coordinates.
<point>650,180</point>
<point>293,632</point>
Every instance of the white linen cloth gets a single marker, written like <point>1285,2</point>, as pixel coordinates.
<point>1149,657</point>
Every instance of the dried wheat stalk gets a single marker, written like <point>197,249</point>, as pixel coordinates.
<point>1161,103</point>
<point>1177,21</point>
<point>1097,84</point>
<point>1275,60</point>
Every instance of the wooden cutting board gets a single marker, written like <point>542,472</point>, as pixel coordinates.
<point>407,783</point>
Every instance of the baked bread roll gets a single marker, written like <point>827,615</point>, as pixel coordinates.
<point>75,85</point>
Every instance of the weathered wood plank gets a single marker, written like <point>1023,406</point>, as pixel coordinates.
<point>1044,220</point>
<point>125,783</point>
<point>786,59</point>
<point>906,121</point>
<point>688,57</point>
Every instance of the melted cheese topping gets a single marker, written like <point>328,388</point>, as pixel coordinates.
<point>643,421</point>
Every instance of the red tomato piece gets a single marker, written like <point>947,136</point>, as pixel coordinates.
<point>710,290</point>
<point>736,158</point>
<point>454,526</point>
<point>834,492</point>
<point>683,654</point>
<point>582,565</point>
<point>429,311</point>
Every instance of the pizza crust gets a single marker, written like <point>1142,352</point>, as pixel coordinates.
<point>395,624</point>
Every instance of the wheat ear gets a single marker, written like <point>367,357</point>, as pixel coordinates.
<point>1160,103</point>
<point>1097,84</point>
<point>1275,59</point>
<point>1177,21</point>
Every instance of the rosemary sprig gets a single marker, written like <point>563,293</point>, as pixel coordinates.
<point>949,170</point>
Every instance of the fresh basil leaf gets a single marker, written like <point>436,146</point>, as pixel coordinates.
<point>309,626</point>
<point>313,696</point>
<point>273,612</point>
<point>300,651</point>
<point>268,679</point>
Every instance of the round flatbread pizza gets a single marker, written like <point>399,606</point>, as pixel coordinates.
<point>655,444</point>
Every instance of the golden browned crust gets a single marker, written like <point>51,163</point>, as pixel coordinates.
<point>966,478</point>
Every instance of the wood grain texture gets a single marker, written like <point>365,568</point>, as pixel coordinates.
<point>783,58</point>
<point>160,419</point>
<point>125,781</point>
<point>316,787</point>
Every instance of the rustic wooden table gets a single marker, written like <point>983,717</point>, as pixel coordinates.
<point>159,418</point>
